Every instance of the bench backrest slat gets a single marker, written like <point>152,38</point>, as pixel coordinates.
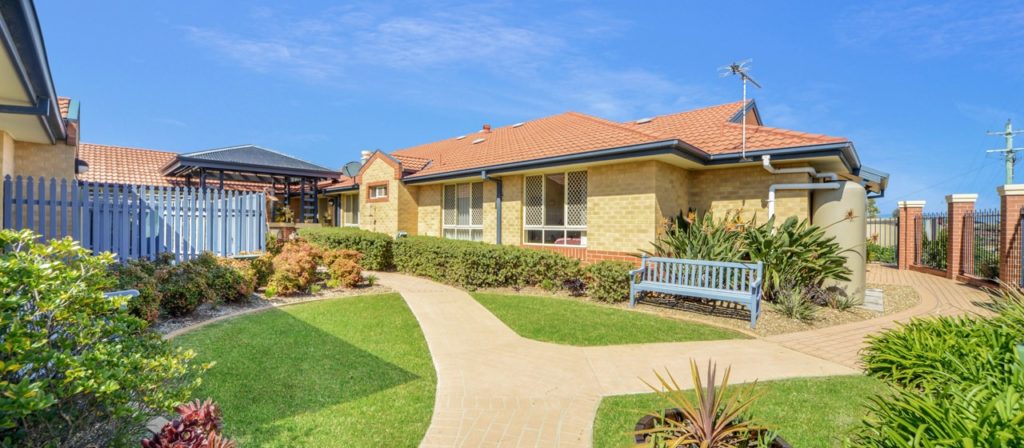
<point>721,275</point>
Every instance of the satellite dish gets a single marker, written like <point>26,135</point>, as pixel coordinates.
<point>351,169</point>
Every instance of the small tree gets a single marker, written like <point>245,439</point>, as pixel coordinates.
<point>872,209</point>
<point>77,368</point>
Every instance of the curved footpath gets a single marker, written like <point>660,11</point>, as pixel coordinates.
<point>496,388</point>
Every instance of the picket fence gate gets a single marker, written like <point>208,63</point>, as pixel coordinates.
<point>137,221</point>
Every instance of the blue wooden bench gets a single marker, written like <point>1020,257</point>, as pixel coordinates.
<point>717,280</point>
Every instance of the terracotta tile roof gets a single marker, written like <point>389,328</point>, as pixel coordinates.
<point>64,104</point>
<point>122,164</point>
<point>341,182</point>
<point>711,130</point>
<point>562,134</point>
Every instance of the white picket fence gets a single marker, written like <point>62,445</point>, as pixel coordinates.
<point>138,221</point>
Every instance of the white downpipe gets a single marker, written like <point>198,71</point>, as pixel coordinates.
<point>772,189</point>
<point>766,162</point>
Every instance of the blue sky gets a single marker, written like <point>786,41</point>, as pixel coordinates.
<point>915,85</point>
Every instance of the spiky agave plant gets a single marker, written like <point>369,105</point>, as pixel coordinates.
<point>713,418</point>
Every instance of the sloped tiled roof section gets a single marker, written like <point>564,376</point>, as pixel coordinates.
<point>556,135</point>
<point>712,130</point>
<point>254,155</point>
<point>64,104</point>
<point>126,165</point>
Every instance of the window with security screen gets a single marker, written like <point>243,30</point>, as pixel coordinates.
<point>462,214</point>
<point>555,209</point>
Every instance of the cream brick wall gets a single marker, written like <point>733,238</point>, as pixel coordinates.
<point>379,216</point>
<point>672,187</point>
<point>622,206</point>
<point>745,191</point>
<point>35,160</point>
<point>408,212</point>
<point>429,213</point>
<point>511,210</point>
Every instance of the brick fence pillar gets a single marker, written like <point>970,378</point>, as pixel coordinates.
<point>1011,200</point>
<point>909,211</point>
<point>959,205</point>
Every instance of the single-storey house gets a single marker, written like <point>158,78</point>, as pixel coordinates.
<point>599,189</point>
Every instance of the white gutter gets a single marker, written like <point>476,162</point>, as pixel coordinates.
<point>767,164</point>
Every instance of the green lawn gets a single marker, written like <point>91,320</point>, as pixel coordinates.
<point>346,372</point>
<point>811,412</point>
<point>565,321</point>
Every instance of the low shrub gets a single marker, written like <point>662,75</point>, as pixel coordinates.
<point>377,248</point>
<point>295,268</point>
<point>183,288</point>
<point>78,368</point>
<point>225,279</point>
<point>243,275</point>
<point>140,275</point>
<point>794,303</point>
<point>480,265</point>
<point>608,281</point>
<point>344,272</point>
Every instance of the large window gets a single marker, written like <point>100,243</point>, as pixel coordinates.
<point>350,209</point>
<point>463,211</point>
<point>555,209</point>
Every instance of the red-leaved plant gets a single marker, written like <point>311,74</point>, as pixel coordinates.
<point>197,426</point>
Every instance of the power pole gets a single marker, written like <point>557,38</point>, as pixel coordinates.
<point>1009,153</point>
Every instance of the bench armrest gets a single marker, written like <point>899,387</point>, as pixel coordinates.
<point>634,272</point>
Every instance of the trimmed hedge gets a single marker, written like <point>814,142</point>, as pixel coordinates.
<point>480,265</point>
<point>608,281</point>
<point>375,247</point>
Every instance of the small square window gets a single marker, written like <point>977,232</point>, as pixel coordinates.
<point>378,191</point>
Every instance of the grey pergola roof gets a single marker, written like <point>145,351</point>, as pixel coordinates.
<point>247,163</point>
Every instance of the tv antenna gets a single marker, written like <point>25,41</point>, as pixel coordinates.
<point>1009,153</point>
<point>741,68</point>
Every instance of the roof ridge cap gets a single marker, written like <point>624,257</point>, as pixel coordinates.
<point>785,131</point>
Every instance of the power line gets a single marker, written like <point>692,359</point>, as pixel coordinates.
<point>1009,153</point>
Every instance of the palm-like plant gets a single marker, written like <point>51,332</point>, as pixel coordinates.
<point>795,253</point>
<point>702,238</point>
<point>713,418</point>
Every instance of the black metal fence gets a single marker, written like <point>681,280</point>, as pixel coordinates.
<point>930,247</point>
<point>980,248</point>
<point>883,238</point>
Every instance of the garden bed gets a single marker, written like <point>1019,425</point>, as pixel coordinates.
<point>209,311</point>
<point>771,322</point>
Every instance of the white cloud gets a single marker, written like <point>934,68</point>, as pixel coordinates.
<point>519,66</point>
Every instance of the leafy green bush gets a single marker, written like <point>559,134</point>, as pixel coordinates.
<point>881,254</point>
<point>954,381</point>
<point>480,265</point>
<point>183,288</point>
<point>140,275</point>
<point>703,238</point>
<point>225,279</point>
<point>608,281</point>
<point>376,247</point>
<point>78,369</point>
<point>794,253</point>
<point>933,251</point>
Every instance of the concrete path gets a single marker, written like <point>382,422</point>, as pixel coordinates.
<point>496,388</point>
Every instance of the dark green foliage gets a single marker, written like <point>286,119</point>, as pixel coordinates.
<point>702,238</point>
<point>480,265</point>
<point>795,253</point>
<point>226,281</point>
<point>140,275</point>
<point>795,304</point>
<point>881,254</point>
<point>954,381</point>
<point>933,251</point>
<point>608,281</point>
<point>183,288</point>
<point>77,368</point>
<point>986,260</point>
<point>375,247</point>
